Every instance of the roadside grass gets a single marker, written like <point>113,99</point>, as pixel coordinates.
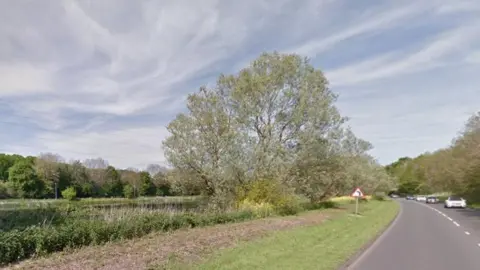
<point>475,205</point>
<point>326,246</point>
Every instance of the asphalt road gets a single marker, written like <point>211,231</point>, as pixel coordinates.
<point>426,237</point>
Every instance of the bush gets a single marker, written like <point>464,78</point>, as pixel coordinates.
<point>259,209</point>
<point>269,192</point>
<point>3,191</point>
<point>69,193</point>
<point>288,205</point>
<point>128,191</point>
<point>379,197</point>
<point>17,245</point>
<point>319,205</point>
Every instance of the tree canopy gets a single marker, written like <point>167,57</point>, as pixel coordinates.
<point>276,119</point>
<point>455,168</point>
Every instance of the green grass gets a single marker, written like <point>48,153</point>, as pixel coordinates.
<point>325,246</point>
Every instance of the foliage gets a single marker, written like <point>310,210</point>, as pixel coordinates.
<point>147,188</point>
<point>24,181</point>
<point>268,193</point>
<point>37,177</point>
<point>69,193</point>
<point>261,210</point>
<point>21,244</point>
<point>128,191</point>
<point>453,169</point>
<point>3,191</point>
<point>275,119</point>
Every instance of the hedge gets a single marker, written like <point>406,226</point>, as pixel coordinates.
<point>17,245</point>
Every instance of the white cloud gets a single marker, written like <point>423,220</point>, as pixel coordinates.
<point>106,76</point>
<point>431,55</point>
<point>23,78</point>
<point>473,57</point>
<point>458,6</point>
<point>370,23</point>
<point>128,147</point>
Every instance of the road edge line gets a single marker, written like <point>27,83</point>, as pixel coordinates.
<point>368,247</point>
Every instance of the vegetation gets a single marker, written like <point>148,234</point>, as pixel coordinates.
<point>273,121</point>
<point>455,168</point>
<point>48,174</point>
<point>316,247</point>
<point>57,228</point>
<point>268,140</point>
<point>20,244</point>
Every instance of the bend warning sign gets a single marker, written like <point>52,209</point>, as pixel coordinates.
<point>357,193</point>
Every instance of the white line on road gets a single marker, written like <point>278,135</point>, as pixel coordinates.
<point>458,225</point>
<point>449,218</point>
<point>467,233</point>
<point>478,244</point>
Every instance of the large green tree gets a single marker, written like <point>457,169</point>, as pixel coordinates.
<point>24,180</point>
<point>276,119</point>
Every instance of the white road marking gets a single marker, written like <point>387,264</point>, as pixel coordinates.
<point>449,218</point>
<point>467,233</point>
<point>478,244</point>
<point>458,225</point>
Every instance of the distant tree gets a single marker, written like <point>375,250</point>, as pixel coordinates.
<point>162,185</point>
<point>95,163</point>
<point>154,169</point>
<point>69,193</point>
<point>131,176</point>
<point>47,169</point>
<point>128,191</point>
<point>147,188</point>
<point>24,181</point>
<point>113,186</point>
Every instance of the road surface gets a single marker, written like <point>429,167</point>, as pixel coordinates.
<point>426,237</point>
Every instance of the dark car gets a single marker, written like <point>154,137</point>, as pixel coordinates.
<point>432,199</point>
<point>410,197</point>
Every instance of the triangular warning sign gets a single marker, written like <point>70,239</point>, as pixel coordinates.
<point>357,193</point>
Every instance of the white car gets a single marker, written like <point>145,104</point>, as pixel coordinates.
<point>421,198</point>
<point>455,201</point>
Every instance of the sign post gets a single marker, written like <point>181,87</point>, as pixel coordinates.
<point>357,194</point>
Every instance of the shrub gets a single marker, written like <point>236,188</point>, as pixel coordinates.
<point>319,205</point>
<point>69,193</point>
<point>379,196</point>
<point>3,190</point>
<point>288,205</point>
<point>269,192</point>
<point>261,210</point>
<point>128,191</point>
<point>17,245</point>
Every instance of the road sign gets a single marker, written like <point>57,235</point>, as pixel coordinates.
<point>357,193</point>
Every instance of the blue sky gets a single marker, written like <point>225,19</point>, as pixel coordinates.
<point>103,78</point>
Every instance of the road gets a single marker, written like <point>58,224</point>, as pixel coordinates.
<point>426,237</point>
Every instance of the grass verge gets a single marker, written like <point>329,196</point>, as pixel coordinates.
<point>326,246</point>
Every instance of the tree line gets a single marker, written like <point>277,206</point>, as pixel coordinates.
<point>455,168</point>
<point>47,175</point>
<point>275,121</point>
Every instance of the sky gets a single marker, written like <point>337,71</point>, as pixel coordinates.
<point>103,78</point>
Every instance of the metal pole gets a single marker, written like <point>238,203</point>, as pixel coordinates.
<point>56,191</point>
<point>356,206</point>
